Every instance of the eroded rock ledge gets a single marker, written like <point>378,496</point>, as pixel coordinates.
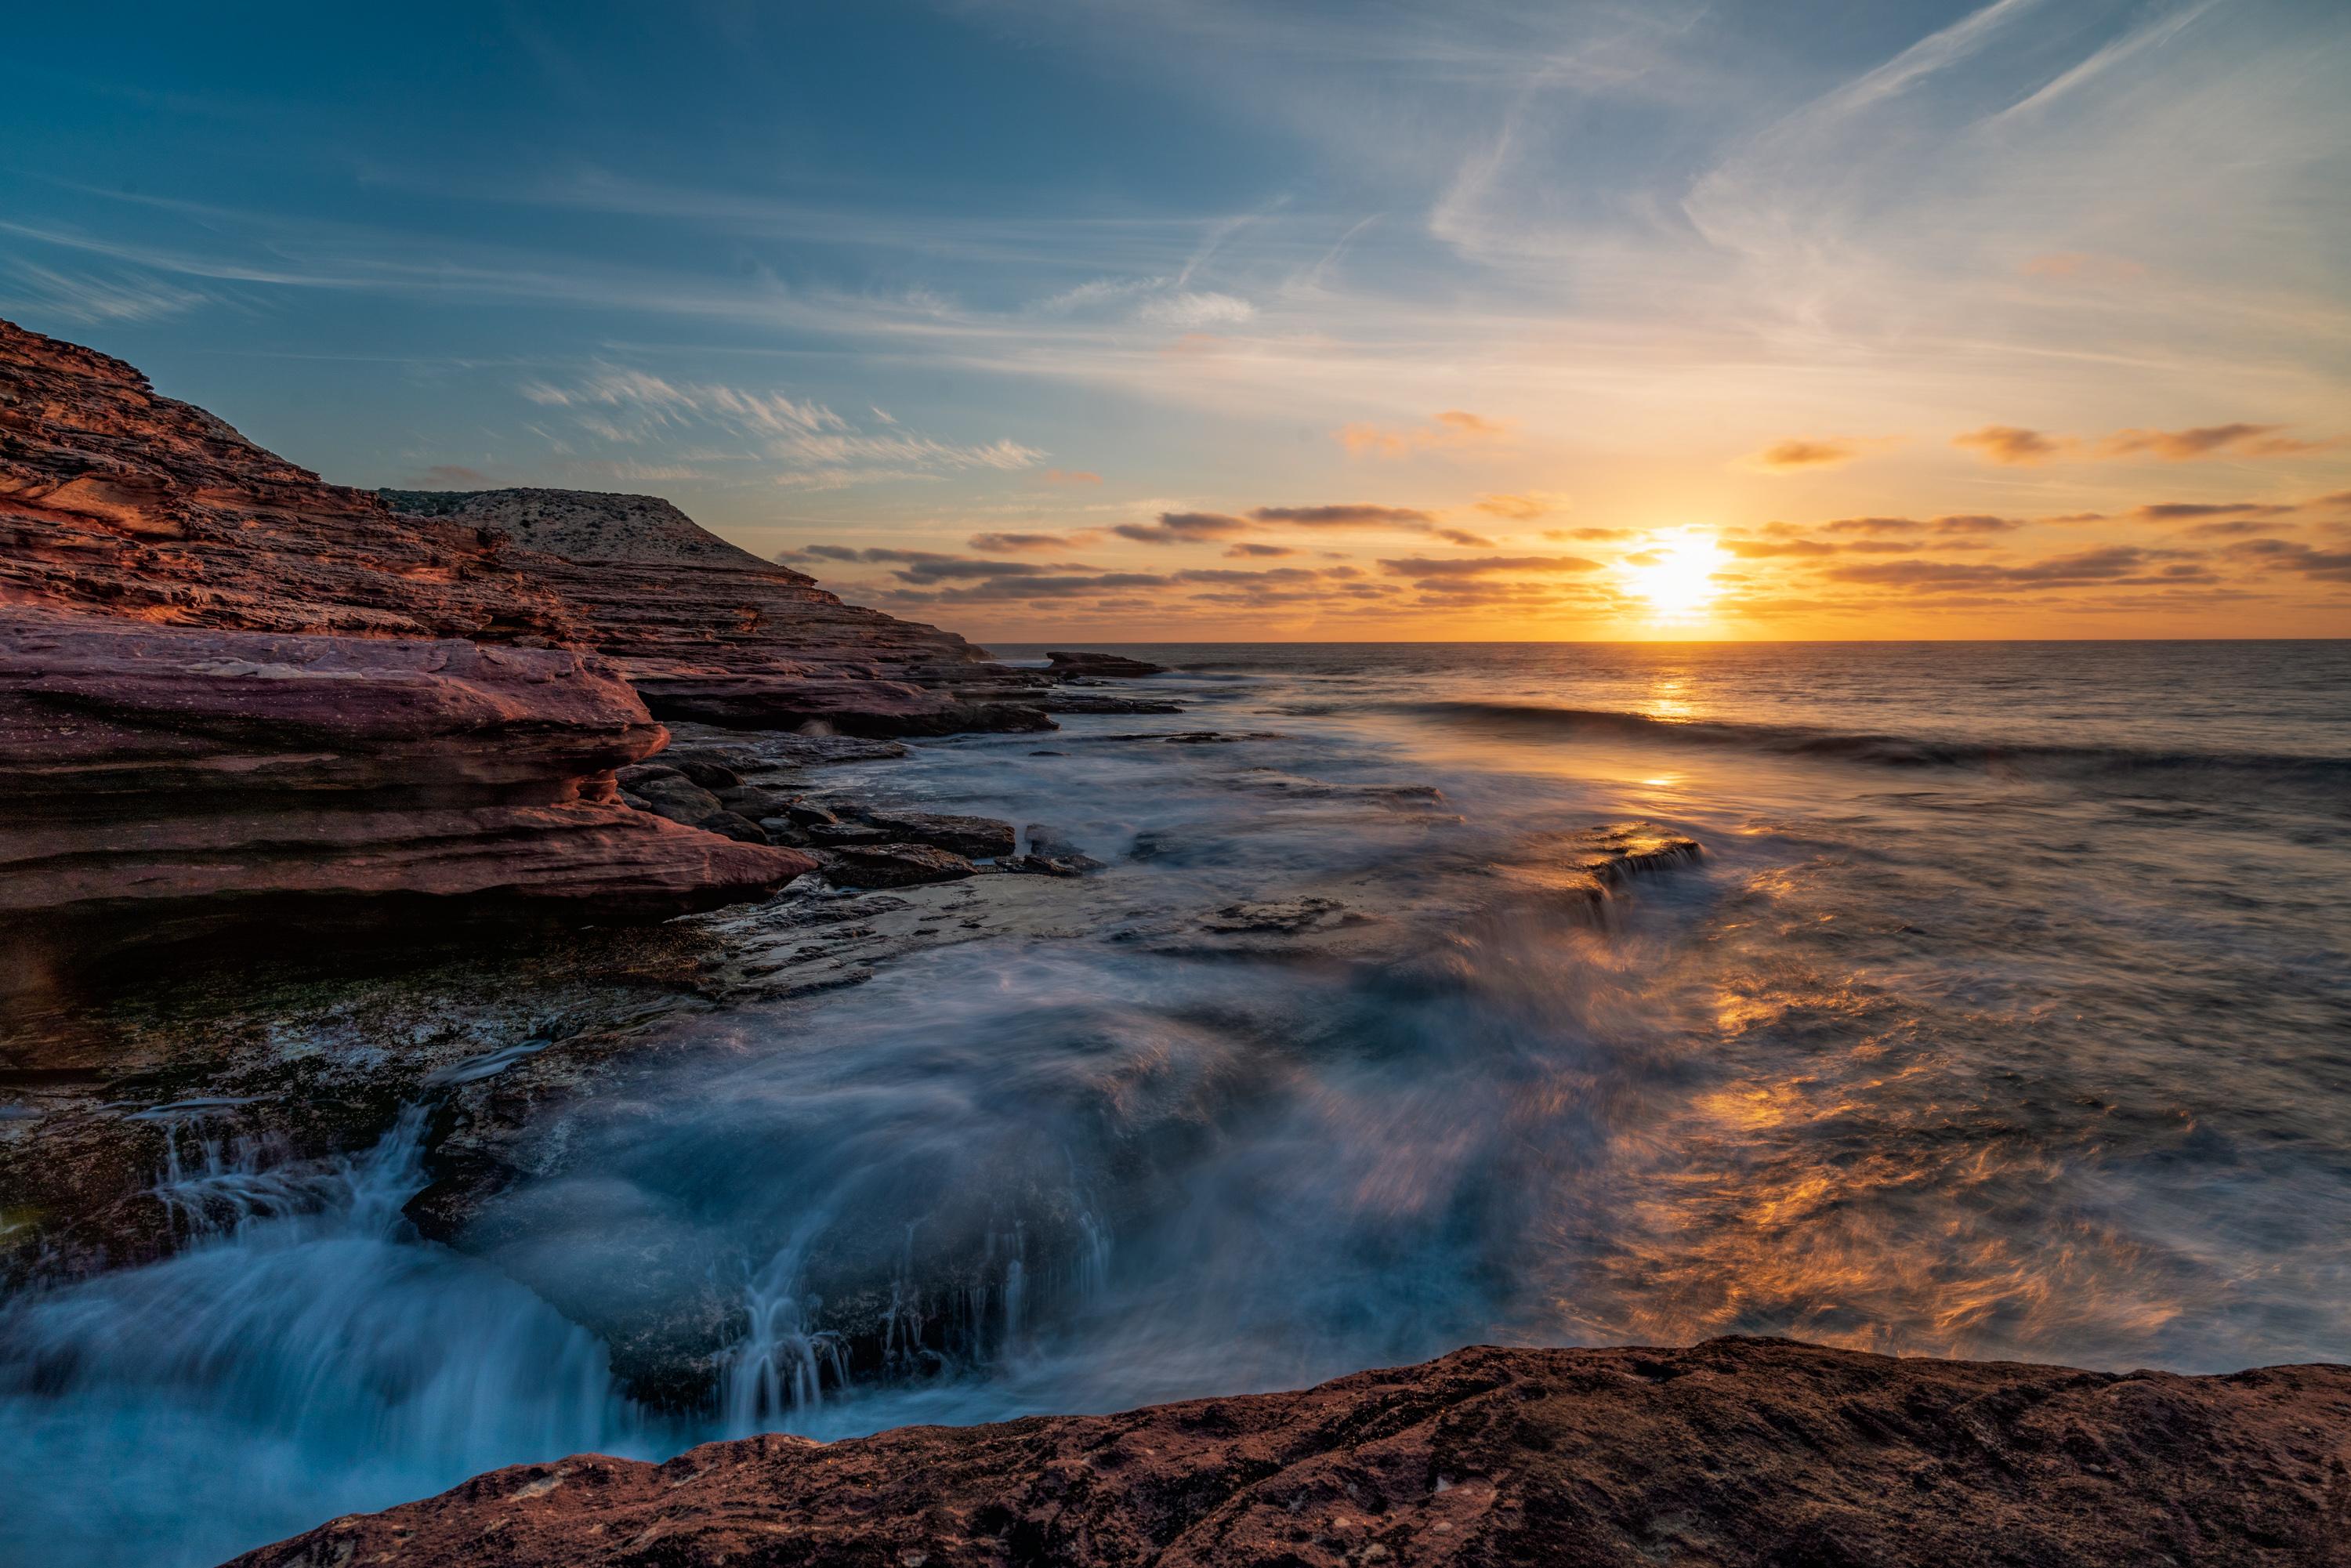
<point>1737,1451</point>
<point>163,782</point>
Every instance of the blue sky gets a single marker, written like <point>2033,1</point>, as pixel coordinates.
<point>1435,321</point>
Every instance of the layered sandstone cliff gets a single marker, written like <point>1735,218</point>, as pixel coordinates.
<point>710,633</point>
<point>230,688</point>
<point>1735,1452</point>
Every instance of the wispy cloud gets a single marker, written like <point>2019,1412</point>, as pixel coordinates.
<point>2012,445</point>
<point>1524,508</point>
<point>998,543</point>
<point>1453,428</point>
<point>1424,569</point>
<point>2207,441</point>
<point>1183,528</point>
<point>814,446</point>
<point>2015,446</point>
<point>89,296</point>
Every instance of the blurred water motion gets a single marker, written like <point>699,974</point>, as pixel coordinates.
<point>2004,1015</point>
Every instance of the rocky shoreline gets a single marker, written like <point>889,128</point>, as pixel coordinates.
<point>277,750</point>
<point>1735,1452</point>
<point>333,807</point>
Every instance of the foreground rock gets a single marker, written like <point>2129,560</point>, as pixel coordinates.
<point>1733,1452</point>
<point>166,781</point>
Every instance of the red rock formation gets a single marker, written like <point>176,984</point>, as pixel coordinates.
<point>1733,1452</point>
<point>123,503</point>
<point>225,685</point>
<point>161,779</point>
<point>711,633</point>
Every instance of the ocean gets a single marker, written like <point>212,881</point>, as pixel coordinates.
<point>2003,1011</point>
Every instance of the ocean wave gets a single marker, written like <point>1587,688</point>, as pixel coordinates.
<point>1881,750</point>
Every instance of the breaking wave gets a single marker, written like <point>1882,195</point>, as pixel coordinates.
<point>1540,720</point>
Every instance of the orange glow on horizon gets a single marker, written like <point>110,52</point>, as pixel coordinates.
<point>1676,576</point>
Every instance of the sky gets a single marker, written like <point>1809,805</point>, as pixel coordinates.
<point>1253,320</point>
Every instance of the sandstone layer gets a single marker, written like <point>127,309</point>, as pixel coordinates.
<point>1734,1452</point>
<point>163,781</point>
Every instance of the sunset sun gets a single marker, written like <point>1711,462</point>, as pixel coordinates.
<point>1676,576</point>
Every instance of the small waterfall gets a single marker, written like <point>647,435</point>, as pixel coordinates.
<point>213,1186</point>
<point>1016,1286</point>
<point>1094,1262</point>
<point>780,1368</point>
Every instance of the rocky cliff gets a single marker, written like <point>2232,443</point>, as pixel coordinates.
<point>710,633</point>
<point>228,688</point>
<point>117,501</point>
<point>1734,1452</point>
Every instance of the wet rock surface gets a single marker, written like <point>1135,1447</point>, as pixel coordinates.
<point>981,837</point>
<point>1064,700</point>
<point>509,1041</point>
<point>892,865</point>
<point>1285,917</point>
<point>1734,1452</point>
<point>509,1163</point>
<point>1586,867</point>
<point>271,1064</point>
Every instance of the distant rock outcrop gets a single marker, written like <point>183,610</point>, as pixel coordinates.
<point>1739,1453</point>
<point>712,633</point>
<point>1117,665</point>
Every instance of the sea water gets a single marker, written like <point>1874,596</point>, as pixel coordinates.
<point>2007,1013</point>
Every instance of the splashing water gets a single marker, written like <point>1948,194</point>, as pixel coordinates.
<point>303,1357</point>
<point>780,1367</point>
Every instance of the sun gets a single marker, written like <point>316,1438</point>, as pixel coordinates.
<point>1677,575</point>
